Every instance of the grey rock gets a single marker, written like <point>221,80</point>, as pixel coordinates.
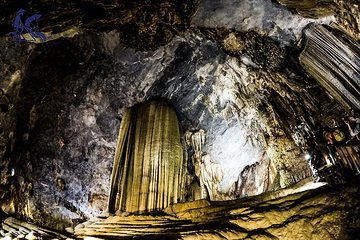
<point>262,16</point>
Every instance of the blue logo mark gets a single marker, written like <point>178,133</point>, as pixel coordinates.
<point>30,26</point>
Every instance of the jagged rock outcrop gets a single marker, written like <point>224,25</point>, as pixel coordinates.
<point>348,17</point>
<point>143,25</point>
<point>265,17</point>
<point>300,212</point>
<point>12,228</point>
<point>346,12</point>
<point>148,170</point>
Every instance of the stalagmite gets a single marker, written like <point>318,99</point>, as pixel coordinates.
<point>208,172</point>
<point>334,61</point>
<point>198,139</point>
<point>210,176</point>
<point>148,160</point>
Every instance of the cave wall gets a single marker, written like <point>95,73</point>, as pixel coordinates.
<point>71,101</point>
<point>237,79</point>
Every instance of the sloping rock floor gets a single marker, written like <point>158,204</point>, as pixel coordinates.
<point>311,211</point>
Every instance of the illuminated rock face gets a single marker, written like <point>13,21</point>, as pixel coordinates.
<point>148,165</point>
<point>263,16</point>
<point>334,61</point>
<point>286,214</point>
<point>346,12</point>
<point>228,73</point>
<point>311,8</point>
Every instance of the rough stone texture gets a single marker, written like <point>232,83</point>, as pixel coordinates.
<point>71,102</point>
<point>262,16</point>
<point>315,214</point>
<point>346,12</point>
<point>67,97</point>
<point>311,8</point>
<point>142,24</point>
<point>13,61</point>
<point>68,118</point>
<point>12,228</point>
<point>74,92</point>
<point>348,17</point>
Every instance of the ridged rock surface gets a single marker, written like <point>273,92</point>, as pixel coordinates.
<point>148,169</point>
<point>315,214</point>
<point>334,61</point>
<point>348,17</point>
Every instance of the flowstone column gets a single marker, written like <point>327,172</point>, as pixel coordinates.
<point>148,165</point>
<point>332,58</point>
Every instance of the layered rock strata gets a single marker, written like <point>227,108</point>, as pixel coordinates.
<point>287,214</point>
<point>12,228</point>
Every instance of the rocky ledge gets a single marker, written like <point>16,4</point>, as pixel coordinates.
<point>321,213</point>
<point>306,211</point>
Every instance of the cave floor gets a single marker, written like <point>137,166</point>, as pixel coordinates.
<point>306,211</point>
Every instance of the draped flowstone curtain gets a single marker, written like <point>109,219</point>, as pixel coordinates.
<point>148,164</point>
<point>334,61</point>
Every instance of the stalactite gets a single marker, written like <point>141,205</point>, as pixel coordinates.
<point>148,159</point>
<point>334,61</point>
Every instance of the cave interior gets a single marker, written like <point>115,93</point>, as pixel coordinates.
<point>159,119</point>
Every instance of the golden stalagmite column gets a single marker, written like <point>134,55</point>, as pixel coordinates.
<point>147,170</point>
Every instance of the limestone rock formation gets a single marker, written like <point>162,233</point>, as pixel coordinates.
<point>192,73</point>
<point>12,228</point>
<point>228,67</point>
<point>311,8</point>
<point>334,61</point>
<point>265,17</point>
<point>156,23</point>
<point>287,214</point>
<point>148,166</point>
<point>348,17</point>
